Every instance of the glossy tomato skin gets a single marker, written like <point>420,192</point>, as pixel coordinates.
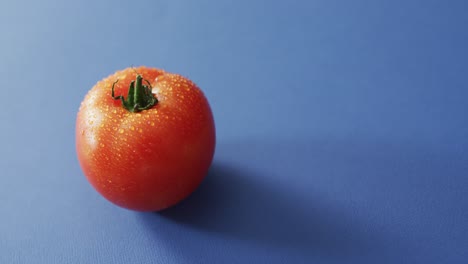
<point>150,160</point>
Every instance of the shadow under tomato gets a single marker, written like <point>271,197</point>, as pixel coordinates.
<point>239,204</point>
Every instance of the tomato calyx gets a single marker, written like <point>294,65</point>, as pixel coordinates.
<point>139,96</point>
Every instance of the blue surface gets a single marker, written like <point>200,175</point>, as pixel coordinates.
<point>342,130</point>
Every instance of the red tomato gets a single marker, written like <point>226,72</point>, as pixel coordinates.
<point>149,148</point>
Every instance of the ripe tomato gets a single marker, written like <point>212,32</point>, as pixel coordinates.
<point>145,138</point>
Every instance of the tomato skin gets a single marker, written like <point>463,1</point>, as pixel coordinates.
<point>150,160</point>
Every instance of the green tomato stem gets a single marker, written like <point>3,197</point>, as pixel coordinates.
<point>139,96</point>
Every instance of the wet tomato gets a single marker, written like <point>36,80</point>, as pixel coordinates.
<point>145,138</point>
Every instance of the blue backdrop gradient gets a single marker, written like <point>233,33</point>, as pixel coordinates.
<point>342,130</point>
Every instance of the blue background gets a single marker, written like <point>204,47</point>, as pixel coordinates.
<point>342,130</point>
